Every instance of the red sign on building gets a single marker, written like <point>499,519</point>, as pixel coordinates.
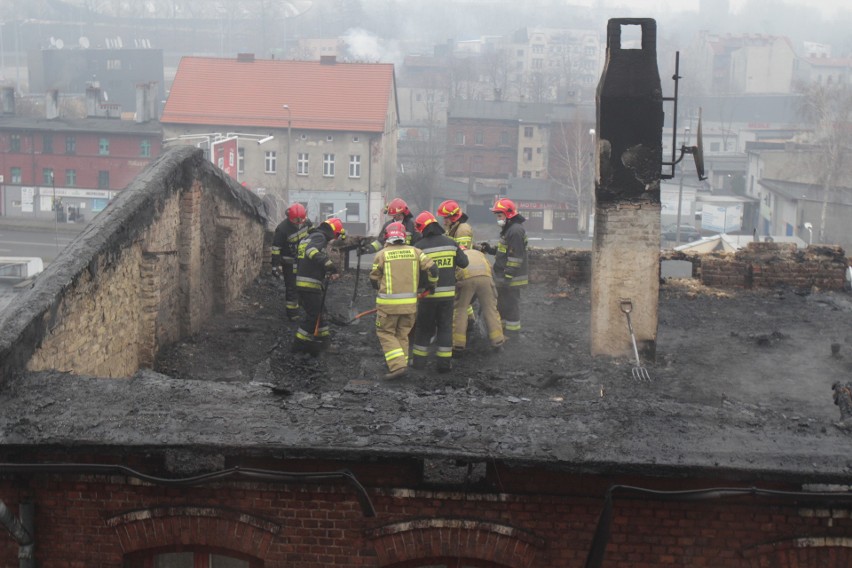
<point>224,155</point>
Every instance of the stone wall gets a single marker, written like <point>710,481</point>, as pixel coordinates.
<point>178,244</point>
<point>759,265</point>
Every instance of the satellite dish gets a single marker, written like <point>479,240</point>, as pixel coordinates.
<point>293,8</point>
<point>84,42</point>
<point>698,153</point>
<point>52,41</point>
<point>60,44</point>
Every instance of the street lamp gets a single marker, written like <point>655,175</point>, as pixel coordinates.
<point>289,140</point>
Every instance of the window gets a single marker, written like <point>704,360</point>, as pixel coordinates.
<point>103,180</point>
<point>504,138</point>
<point>479,138</point>
<point>329,138</point>
<point>528,131</point>
<point>460,138</point>
<point>354,166</point>
<point>103,147</point>
<point>114,64</point>
<point>270,162</point>
<point>527,154</point>
<point>328,165</point>
<point>189,559</point>
<point>47,144</point>
<point>526,175</point>
<point>70,145</point>
<point>15,143</point>
<point>47,176</point>
<point>241,160</point>
<point>537,63</point>
<point>145,149</point>
<point>356,139</point>
<point>326,210</point>
<point>16,175</point>
<point>353,212</point>
<point>302,164</point>
<point>71,178</point>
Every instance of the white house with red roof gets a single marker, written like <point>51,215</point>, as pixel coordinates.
<point>322,133</point>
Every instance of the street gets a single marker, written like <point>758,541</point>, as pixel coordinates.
<point>44,243</point>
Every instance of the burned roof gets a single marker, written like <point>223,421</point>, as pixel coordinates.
<point>741,388</point>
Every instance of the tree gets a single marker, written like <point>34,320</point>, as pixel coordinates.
<point>423,159</point>
<point>570,164</point>
<point>829,107</point>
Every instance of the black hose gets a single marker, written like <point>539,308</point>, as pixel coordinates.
<point>251,473</point>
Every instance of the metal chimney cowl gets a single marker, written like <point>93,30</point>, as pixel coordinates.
<point>626,245</point>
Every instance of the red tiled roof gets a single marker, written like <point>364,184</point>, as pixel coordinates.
<point>227,92</point>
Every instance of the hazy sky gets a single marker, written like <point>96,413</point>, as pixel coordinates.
<point>654,7</point>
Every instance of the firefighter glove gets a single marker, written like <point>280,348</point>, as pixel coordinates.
<point>366,248</point>
<point>374,284</point>
<point>330,267</point>
<point>487,248</point>
<point>277,271</point>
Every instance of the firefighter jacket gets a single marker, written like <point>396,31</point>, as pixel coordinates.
<point>461,232</point>
<point>312,259</point>
<point>411,234</point>
<point>396,274</point>
<point>447,255</point>
<point>510,260</point>
<point>477,265</point>
<point>285,242</point>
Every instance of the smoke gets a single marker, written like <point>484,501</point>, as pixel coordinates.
<point>362,45</point>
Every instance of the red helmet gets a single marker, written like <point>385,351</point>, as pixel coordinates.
<point>505,206</point>
<point>395,233</point>
<point>336,226</point>
<point>424,220</point>
<point>450,209</point>
<point>296,213</point>
<point>397,206</point>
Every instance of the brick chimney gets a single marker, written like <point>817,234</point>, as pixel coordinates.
<point>51,104</point>
<point>146,102</point>
<point>626,246</point>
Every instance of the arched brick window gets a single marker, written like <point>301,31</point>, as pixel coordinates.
<point>454,543</point>
<point>213,537</point>
<point>810,552</point>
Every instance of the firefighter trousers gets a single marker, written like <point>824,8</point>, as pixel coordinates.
<point>305,340</point>
<point>509,306</point>
<point>481,287</point>
<point>434,319</point>
<point>392,331</point>
<point>288,271</point>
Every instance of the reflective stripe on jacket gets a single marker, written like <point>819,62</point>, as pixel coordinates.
<point>510,262</point>
<point>396,269</point>
<point>462,233</point>
<point>477,265</point>
<point>446,255</point>
<point>285,241</point>
<point>311,258</point>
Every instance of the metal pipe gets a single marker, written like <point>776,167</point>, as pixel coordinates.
<point>14,526</point>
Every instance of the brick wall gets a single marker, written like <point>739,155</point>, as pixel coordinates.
<point>178,244</point>
<point>760,265</point>
<point>518,518</point>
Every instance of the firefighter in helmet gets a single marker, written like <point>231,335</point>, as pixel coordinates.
<point>315,271</point>
<point>455,223</point>
<point>476,280</point>
<point>397,269</point>
<point>435,311</point>
<point>510,263</point>
<point>285,248</point>
<point>399,213</point>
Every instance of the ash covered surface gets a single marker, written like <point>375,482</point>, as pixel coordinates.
<point>742,382</point>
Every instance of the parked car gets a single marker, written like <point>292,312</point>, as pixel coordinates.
<point>688,233</point>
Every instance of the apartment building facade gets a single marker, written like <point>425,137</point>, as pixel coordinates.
<point>322,133</point>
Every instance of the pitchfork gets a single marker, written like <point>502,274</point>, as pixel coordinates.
<point>640,373</point>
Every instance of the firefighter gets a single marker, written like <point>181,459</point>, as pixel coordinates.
<point>395,275</point>
<point>455,223</point>
<point>510,264</point>
<point>399,213</point>
<point>458,229</point>
<point>435,311</point>
<point>315,271</point>
<point>285,248</point>
<point>476,280</point>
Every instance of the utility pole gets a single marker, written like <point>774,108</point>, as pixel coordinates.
<point>289,141</point>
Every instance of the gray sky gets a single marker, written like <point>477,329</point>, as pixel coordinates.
<point>829,8</point>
